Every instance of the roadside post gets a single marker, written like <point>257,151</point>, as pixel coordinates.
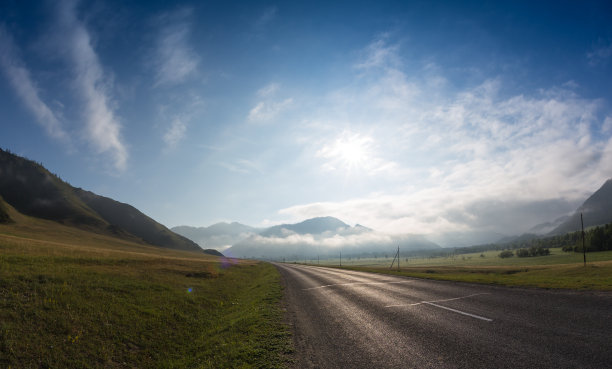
<point>583,244</point>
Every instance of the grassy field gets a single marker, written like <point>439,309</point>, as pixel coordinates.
<point>71,299</point>
<point>558,270</point>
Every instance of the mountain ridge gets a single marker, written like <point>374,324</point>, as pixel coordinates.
<point>217,236</point>
<point>34,191</point>
<point>596,210</point>
<point>309,226</point>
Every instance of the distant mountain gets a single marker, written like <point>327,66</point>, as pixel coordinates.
<point>522,238</point>
<point>32,190</point>
<point>547,227</point>
<point>596,210</point>
<point>310,226</point>
<point>323,237</point>
<point>217,236</point>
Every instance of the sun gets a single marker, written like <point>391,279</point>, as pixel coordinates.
<point>350,151</point>
<point>353,151</point>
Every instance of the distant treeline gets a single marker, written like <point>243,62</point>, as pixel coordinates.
<point>596,239</point>
<point>525,252</point>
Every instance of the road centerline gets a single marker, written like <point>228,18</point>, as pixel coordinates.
<point>433,303</point>
<point>458,311</point>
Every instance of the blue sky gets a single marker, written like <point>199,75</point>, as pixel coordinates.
<point>407,117</point>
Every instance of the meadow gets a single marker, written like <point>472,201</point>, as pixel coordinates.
<point>73,299</point>
<point>560,269</point>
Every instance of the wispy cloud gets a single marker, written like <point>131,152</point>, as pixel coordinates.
<point>175,133</point>
<point>379,54</point>
<point>103,129</point>
<point>476,160</point>
<point>242,166</point>
<point>175,59</point>
<point>19,76</point>
<point>265,111</point>
<point>269,107</point>
<point>266,17</point>
<point>268,90</point>
<point>599,55</point>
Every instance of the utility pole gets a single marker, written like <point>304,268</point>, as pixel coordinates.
<point>397,256</point>
<point>583,245</point>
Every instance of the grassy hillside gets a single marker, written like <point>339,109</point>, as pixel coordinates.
<point>33,190</point>
<point>4,216</point>
<point>128,218</point>
<point>73,299</point>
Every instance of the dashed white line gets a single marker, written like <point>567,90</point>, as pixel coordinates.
<point>433,303</point>
<point>459,311</point>
<point>444,300</point>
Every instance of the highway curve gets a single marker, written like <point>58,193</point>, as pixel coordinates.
<point>348,319</point>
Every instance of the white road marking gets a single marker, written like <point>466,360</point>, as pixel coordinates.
<point>461,297</point>
<point>353,283</point>
<point>459,311</point>
<point>433,303</point>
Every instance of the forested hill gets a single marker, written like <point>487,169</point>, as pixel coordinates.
<point>32,190</point>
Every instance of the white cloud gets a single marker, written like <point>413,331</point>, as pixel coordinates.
<point>175,133</point>
<point>268,107</point>
<point>326,241</point>
<point>21,80</point>
<point>606,127</point>
<point>103,129</point>
<point>242,166</point>
<point>265,111</point>
<point>379,54</point>
<point>473,161</point>
<point>175,60</point>
<point>268,90</point>
<point>351,241</point>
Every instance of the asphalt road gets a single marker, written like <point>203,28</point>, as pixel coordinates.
<point>347,319</point>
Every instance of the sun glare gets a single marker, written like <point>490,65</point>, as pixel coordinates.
<point>350,151</point>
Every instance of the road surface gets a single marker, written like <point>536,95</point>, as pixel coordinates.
<point>348,319</point>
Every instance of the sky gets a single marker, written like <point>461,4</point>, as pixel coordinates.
<point>418,117</point>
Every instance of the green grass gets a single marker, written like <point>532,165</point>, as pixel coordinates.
<point>78,300</point>
<point>491,258</point>
<point>559,270</point>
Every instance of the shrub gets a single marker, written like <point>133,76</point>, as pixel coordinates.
<point>506,254</point>
<point>521,253</point>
